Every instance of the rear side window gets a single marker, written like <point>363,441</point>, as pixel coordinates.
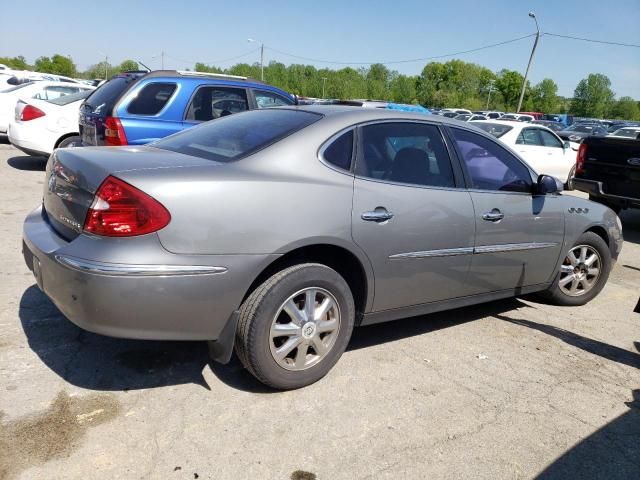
<point>340,152</point>
<point>529,136</point>
<point>74,97</point>
<point>53,92</point>
<point>152,98</point>
<point>412,153</point>
<point>210,103</point>
<point>238,136</point>
<point>266,99</point>
<point>549,139</point>
<point>495,129</point>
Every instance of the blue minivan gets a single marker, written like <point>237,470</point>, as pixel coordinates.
<point>135,108</point>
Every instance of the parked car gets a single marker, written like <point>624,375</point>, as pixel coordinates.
<point>562,118</point>
<point>459,111</point>
<point>42,90</point>
<point>517,117</point>
<point>608,169</point>
<point>196,236</point>
<point>579,131</point>
<point>138,108</point>
<point>469,117</point>
<point>538,145</point>
<point>41,126</point>
<point>618,125</point>
<point>535,115</point>
<point>450,114</point>
<point>628,132</point>
<point>493,115</point>
<point>555,126</point>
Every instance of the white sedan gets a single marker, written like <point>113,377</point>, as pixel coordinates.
<point>43,90</point>
<point>539,146</point>
<point>40,126</point>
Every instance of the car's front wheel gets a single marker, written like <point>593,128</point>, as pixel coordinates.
<point>295,326</point>
<point>583,273</point>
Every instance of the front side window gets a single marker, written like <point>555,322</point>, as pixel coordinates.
<point>550,140</point>
<point>210,103</point>
<point>152,98</point>
<point>266,99</point>
<point>490,166</point>
<point>339,153</point>
<point>412,153</point>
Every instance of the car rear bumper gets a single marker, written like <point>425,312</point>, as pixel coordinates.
<point>595,189</point>
<point>177,299</point>
<point>19,136</point>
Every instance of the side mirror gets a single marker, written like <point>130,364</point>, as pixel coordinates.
<point>548,185</point>
<point>566,145</point>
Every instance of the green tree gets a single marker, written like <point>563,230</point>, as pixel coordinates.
<point>403,89</point>
<point>593,97</point>
<point>99,70</point>
<point>17,63</point>
<point>544,96</point>
<point>127,65</point>
<point>201,67</point>
<point>509,84</point>
<point>626,108</point>
<point>58,65</point>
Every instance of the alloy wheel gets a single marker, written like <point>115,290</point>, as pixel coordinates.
<point>580,270</point>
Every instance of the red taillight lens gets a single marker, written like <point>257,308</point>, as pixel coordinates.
<point>581,157</point>
<point>113,132</point>
<point>121,210</point>
<point>30,113</point>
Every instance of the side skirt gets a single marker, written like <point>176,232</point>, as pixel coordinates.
<point>432,307</point>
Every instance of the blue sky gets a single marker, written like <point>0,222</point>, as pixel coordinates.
<point>349,31</point>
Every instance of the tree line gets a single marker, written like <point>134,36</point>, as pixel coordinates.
<point>454,83</point>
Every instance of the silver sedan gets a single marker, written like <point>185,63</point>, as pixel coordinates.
<point>277,231</point>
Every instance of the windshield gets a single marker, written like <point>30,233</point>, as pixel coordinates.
<point>237,136</point>
<point>509,117</point>
<point>627,132</point>
<point>104,98</point>
<point>67,99</point>
<point>581,128</point>
<point>494,129</point>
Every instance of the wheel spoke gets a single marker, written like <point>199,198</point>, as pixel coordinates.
<point>593,272</point>
<point>583,254</point>
<point>296,315</point>
<point>574,285</point>
<point>572,258</point>
<point>284,330</point>
<point>327,325</point>
<point>310,304</point>
<point>286,348</point>
<point>591,260</point>
<point>564,281</point>
<point>301,355</point>
<point>322,309</point>
<point>318,346</point>
<point>566,269</point>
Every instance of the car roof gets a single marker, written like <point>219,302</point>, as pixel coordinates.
<point>206,75</point>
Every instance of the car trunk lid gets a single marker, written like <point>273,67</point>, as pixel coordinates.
<point>73,176</point>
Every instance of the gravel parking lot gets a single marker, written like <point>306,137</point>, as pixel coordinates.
<point>510,389</point>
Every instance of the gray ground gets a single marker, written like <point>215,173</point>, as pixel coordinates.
<point>510,389</point>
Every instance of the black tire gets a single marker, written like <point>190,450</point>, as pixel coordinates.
<point>555,294</point>
<point>252,343</point>
<point>569,184</point>
<point>69,142</point>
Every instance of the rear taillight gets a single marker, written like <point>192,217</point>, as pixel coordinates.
<point>581,157</point>
<point>31,113</point>
<point>113,132</point>
<point>122,210</point>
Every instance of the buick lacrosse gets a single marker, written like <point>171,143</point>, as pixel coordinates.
<point>277,231</point>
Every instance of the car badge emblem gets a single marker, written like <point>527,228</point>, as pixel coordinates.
<point>634,161</point>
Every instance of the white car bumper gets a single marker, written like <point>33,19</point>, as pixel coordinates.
<point>30,139</point>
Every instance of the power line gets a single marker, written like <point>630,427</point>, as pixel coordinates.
<point>391,62</point>
<point>592,40</point>
<point>215,61</point>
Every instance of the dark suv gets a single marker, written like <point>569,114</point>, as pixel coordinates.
<point>135,108</point>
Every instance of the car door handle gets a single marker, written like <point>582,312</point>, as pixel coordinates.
<point>378,215</point>
<point>494,215</point>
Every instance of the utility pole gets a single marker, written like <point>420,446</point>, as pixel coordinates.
<point>251,40</point>
<point>106,67</point>
<point>489,94</point>
<point>162,57</point>
<point>324,81</point>
<point>533,51</point>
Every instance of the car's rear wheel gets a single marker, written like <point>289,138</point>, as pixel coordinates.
<point>295,326</point>
<point>583,273</point>
<point>69,142</point>
<point>569,184</point>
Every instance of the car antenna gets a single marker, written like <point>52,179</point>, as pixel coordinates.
<point>148,69</point>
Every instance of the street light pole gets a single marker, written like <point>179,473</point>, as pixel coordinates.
<point>324,81</point>
<point>489,94</point>
<point>533,51</point>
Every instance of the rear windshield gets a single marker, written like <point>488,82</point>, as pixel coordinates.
<point>236,136</point>
<point>104,97</point>
<point>74,97</point>
<point>494,129</point>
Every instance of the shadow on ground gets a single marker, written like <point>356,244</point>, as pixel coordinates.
<point>97,362</point>
<point>631,225</point>
<point>28,163</point>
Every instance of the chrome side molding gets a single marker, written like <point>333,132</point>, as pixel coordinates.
<point>449,252</point>
<point>124,269</point>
